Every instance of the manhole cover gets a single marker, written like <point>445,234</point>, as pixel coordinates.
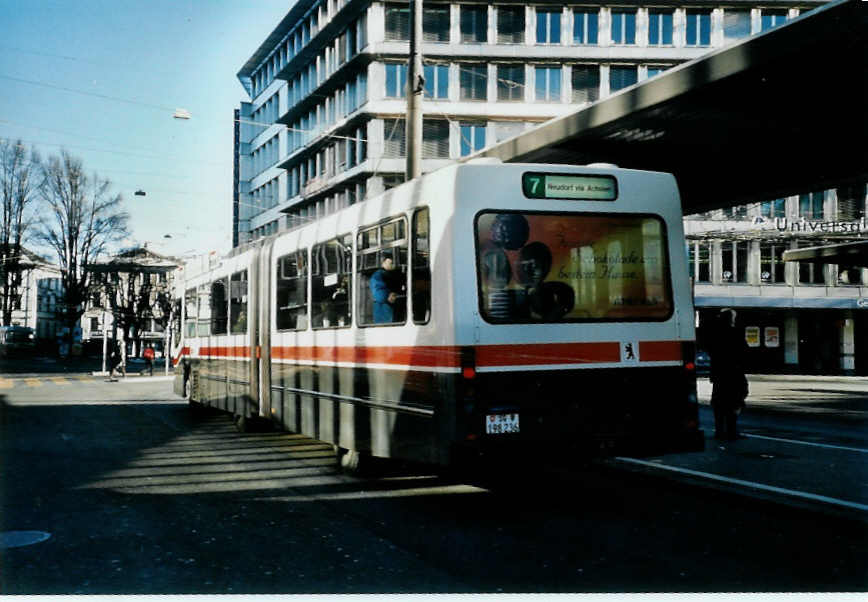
<point>19,539</point>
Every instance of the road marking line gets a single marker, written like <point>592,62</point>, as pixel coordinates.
<point>33,382</point>
<point>760,486</point>
<point>59,380</point>
<point>5,383</point>
<point>826,445</point>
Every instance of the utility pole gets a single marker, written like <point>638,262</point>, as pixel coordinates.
<point>415,89</point>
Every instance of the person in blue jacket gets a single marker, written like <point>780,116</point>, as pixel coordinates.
<point>384,297</point>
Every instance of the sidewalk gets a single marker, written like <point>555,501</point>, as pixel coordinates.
<point>47,366</point>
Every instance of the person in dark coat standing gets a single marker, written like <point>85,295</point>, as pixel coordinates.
<point>729,383</point>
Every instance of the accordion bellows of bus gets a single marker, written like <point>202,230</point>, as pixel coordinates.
<point>482,308</point>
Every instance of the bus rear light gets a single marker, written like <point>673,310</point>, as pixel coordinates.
<point>468,362</point>
<point>690,367</point>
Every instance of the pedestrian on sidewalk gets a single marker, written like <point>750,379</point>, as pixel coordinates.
<point>728,350</point>
<point>148,354</point>
<point>114,359</point>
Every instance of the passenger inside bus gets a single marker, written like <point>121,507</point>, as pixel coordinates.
<point>383,292</point>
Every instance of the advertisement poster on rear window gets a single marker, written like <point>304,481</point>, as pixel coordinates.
<point>574,267</point>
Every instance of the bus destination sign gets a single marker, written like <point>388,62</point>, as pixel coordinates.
<point>569,187</point>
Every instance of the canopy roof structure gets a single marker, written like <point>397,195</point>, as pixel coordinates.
<point>854,254</point>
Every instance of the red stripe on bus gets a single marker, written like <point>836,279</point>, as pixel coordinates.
<point>548,353</point>
<point>239,351</point>
<point>427,356</point>
<point>487,356</point>
<point>659,351</point>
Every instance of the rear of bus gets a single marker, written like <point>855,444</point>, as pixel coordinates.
<point>576,325</point>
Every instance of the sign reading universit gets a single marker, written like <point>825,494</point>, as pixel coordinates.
<point>569,187</point>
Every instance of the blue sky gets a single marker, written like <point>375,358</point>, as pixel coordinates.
<point>102,79</point>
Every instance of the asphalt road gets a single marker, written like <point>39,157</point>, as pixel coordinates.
<point>138,497</point>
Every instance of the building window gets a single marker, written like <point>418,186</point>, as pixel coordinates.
<point>852,275</point>
<point>547,84</point>
<point>437,81</point>
<point>809,272</point>
<point>775,208</point>
<point>621,77</point>
<point>472,137</point>
<point>653,71</point>
<point>623,27</point>
<point>736,25</point>
<point>585,27</point>
<point>851,202</point>
<point>698,28</point>
<point>737,212</point>
<point>510,24</point>
<point>394,145</point>
<point>811,205</point>
<point>435,23</point>
<point>393,180</point>
<point>474,24</point>
<point>772,18</point>
<point>510,82</point>
<point>548,26</point>
<point>474,82</point>
<point>396,80</point>
<point>734,261</point>
<point>660,28</point>
<point>771,263</point>
<point>435,139</point>
<point>700,261</point>
<point>397,22</point>
<point>586,83</point>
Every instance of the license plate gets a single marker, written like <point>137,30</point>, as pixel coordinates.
<point>498,424</point>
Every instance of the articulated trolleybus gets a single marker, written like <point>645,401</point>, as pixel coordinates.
<point>482,308</point>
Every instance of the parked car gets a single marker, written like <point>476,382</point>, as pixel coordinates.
<point>16,341</point>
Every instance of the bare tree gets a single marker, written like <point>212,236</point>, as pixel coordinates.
<point>19,182</point>
<point>82,220</point>
<point>136,287</point>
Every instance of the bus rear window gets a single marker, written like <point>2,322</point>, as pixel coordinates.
<point>546,267</point>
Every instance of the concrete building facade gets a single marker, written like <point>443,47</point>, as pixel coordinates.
<point>324,124</point>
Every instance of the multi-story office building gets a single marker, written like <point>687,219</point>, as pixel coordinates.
<point>324,128</point>
<point>798,316</point>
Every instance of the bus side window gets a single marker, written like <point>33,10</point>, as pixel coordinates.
<point>382,273</point>
<point>238,302</point>
<point>331,271</point>
<point>421,281</point>
<point>190,303</point>
<point>219,306</point>
<point>292,291</point>
<point>203,326</point>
